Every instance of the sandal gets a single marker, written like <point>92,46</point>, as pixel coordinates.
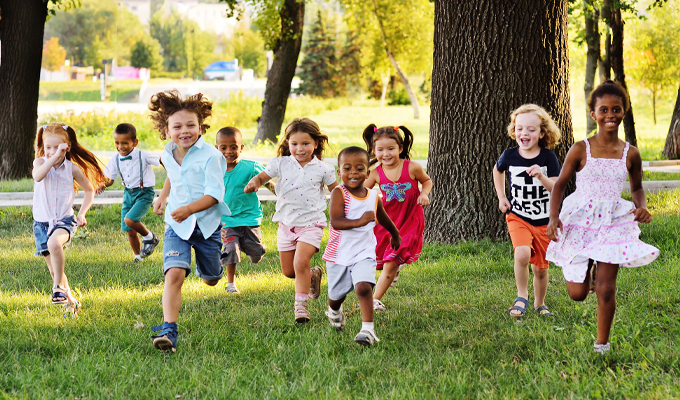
<point>542,308</point>
<point>522,310</point>
<point>72,309</point>
<point>59,295</point>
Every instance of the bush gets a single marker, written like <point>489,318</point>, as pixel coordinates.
<point>398,97</point>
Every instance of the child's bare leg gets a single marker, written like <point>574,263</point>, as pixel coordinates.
<point>287,259</point>
<point>301,264</point>
<point>336,304</point>
<point>579,291</point>
<point>137,227</point>
<point>605,287</point>
<point>57,259</point>
<point>231,272</point>
<point>134,242</point>
<point>364,292</point>
<point>390,269</point>
<point>540,285</point>
<point>172,293</point>
<point>521,268</point>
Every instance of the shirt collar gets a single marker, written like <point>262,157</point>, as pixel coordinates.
<point>313,161</point>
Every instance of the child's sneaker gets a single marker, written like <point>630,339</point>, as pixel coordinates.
<point>166,338</point>
<point>231,288</point>
<point>602,348</point>
<point>336,319</point>
<point>378,305</point>
<point>315,287</point>
<point>301,312</point>
<point>366,338</point>
<point>149,246</point>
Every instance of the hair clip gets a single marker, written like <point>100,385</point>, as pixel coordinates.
<point>65,127</point>
<point>375,129</point>
<point>396,128</point>
<point>44,127</point>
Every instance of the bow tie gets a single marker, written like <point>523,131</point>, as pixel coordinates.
<point>125,158</point>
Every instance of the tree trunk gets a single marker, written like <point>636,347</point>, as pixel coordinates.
<point>605,64</point>
<point>654,105</point>
<point>21,30</point>
<point>592,56</point>
<point>402,76</point>
<point>672,148</point>
<point>619,75</point>
<point>282,71</point>
<point>489,58</point>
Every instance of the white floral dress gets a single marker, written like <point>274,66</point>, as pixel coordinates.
<point>597,223</point>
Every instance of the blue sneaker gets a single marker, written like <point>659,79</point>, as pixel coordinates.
<point>149,246</point>
<point>166,338</point>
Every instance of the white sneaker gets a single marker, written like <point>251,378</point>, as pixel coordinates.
<point>336,319</point>
<point>366,338</point>
<point>602,348</point>
<point>231,288</point>
<point>378,305</point>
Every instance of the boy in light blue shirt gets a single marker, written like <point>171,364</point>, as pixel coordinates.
<point>193,192</point>
<point>240,230</point>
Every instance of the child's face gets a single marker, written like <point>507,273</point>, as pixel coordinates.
<point>608,113</point>
<point>528,131</point>
<point>230,147</point>
<point>124,143</point>
<point>183,129</point>
<point>387,151</point>
<point>51,144</point>
<point>301,146</point>
<point>353,170</point>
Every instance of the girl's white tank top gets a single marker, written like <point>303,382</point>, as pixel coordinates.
<point>53,196</point>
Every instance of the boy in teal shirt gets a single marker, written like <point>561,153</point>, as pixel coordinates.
<point>240,230</point>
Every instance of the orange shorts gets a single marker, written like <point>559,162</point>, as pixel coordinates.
<point>523,233</point>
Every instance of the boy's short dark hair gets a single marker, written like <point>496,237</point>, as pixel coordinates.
<point>229,131</point>
<point>126,129</point>
<point>354,150</point>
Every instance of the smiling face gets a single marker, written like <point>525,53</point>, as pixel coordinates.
<point>301,146</point>
<point>387,151</point>
<point>124,144</point>
<point>608,113</point>
<point>528,132</point>
<point>230,146</point>
<point>353,170</point>
<point>183,129</point>
<point>51,143</point>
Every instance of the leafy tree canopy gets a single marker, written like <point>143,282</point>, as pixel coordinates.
<point>53,55</point>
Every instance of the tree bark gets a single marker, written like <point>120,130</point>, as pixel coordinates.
<point>282,71</point>
<point>619,75</point>
<point>672,148</point>
<point>489,58</point>
<point>605,63</point>
<point>402,76</point>
<point>592,56</point>
<point>21,30</point>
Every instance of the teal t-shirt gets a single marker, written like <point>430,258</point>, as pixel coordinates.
<point>246,209</point>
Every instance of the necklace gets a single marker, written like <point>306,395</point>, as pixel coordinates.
<point>399,168</point>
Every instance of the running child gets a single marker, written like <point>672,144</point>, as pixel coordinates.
<point>350,254</point>
<point>300,205</point>
<point>398,179</point>
<point>136,172</point>
<point>595,223</point>
<point>240,230</point>
<point>533,171</point>
<point>193,191</point>
<point>62,166</point>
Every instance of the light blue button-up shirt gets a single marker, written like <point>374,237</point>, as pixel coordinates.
<point>201,173</point>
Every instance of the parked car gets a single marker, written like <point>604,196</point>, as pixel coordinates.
<point>224,70</point>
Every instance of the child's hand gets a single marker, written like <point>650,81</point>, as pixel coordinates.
<point>367,218</point>
<point>81,220</point>
<point>642,215</point>
<point>181,214</point>
<point>423,200</point>
<point>159,206</point>
<point>395,242</point>
<point>504,205</point>
<point>100,189</point>
<point>251,187</point>
<point>535,171</point>
<point>554,230</point>
<point>61,150</point>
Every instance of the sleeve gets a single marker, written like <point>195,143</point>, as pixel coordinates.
<point>214,177</point>
<point>150,158</point>
<point>329,175</point>
<point>257,168</point>
<point>111,170</point>
<point>272,168</point>
<point>502,163</point>
<point>553,165</point>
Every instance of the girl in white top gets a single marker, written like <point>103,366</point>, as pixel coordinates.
<point>300,205</point>
<point>57,151</point>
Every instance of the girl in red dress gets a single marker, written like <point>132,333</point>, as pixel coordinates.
<point>398,179</point>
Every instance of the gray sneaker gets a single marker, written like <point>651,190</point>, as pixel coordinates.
<point>336,319</point>
<point>149,246</point>
<point>366,338</point>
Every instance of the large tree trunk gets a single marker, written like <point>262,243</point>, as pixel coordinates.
<point>592,56</point>
<point>402,76</point>
<point>21,31</point>
<point>672,148</point>
<point>282,71</point>
<point>490,57</point>
<point>619,75</point>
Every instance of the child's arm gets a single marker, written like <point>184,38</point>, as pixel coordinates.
<point>637,192</point>
<point>257,181</point>
<point>418,173</point>
<point>162,200</point>
<point>386,222</point>
<point>499,183</point>
<point>548,183</point>
<point>100,189</point>
<point>41,168</point>
<point>571,164</point>
<point>82,180</point>
<point>337,213</point>
<point>270,186</point>
<point>332,186</point>
<point>182,213</point>
<point>372,179</point>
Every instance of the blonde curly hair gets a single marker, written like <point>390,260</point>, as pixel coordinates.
<point>551,133</point>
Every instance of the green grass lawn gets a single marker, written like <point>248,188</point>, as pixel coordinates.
<point>446,334</point>
<point>124,91</point>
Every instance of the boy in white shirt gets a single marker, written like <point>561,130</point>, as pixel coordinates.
<point>135,169</point>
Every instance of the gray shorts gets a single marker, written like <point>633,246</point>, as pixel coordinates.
<point>343,278</point>
<point>247,239</point>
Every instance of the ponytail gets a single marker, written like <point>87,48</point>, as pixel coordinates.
<point>408,143</point>
<point>368,134</point>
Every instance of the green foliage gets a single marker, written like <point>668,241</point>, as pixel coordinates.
<point>121,91</point>
<point>398,97</point>
<point>146,53</point>
<point>319,70</point>
<point>53,55</point>
<point>248,48</point>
